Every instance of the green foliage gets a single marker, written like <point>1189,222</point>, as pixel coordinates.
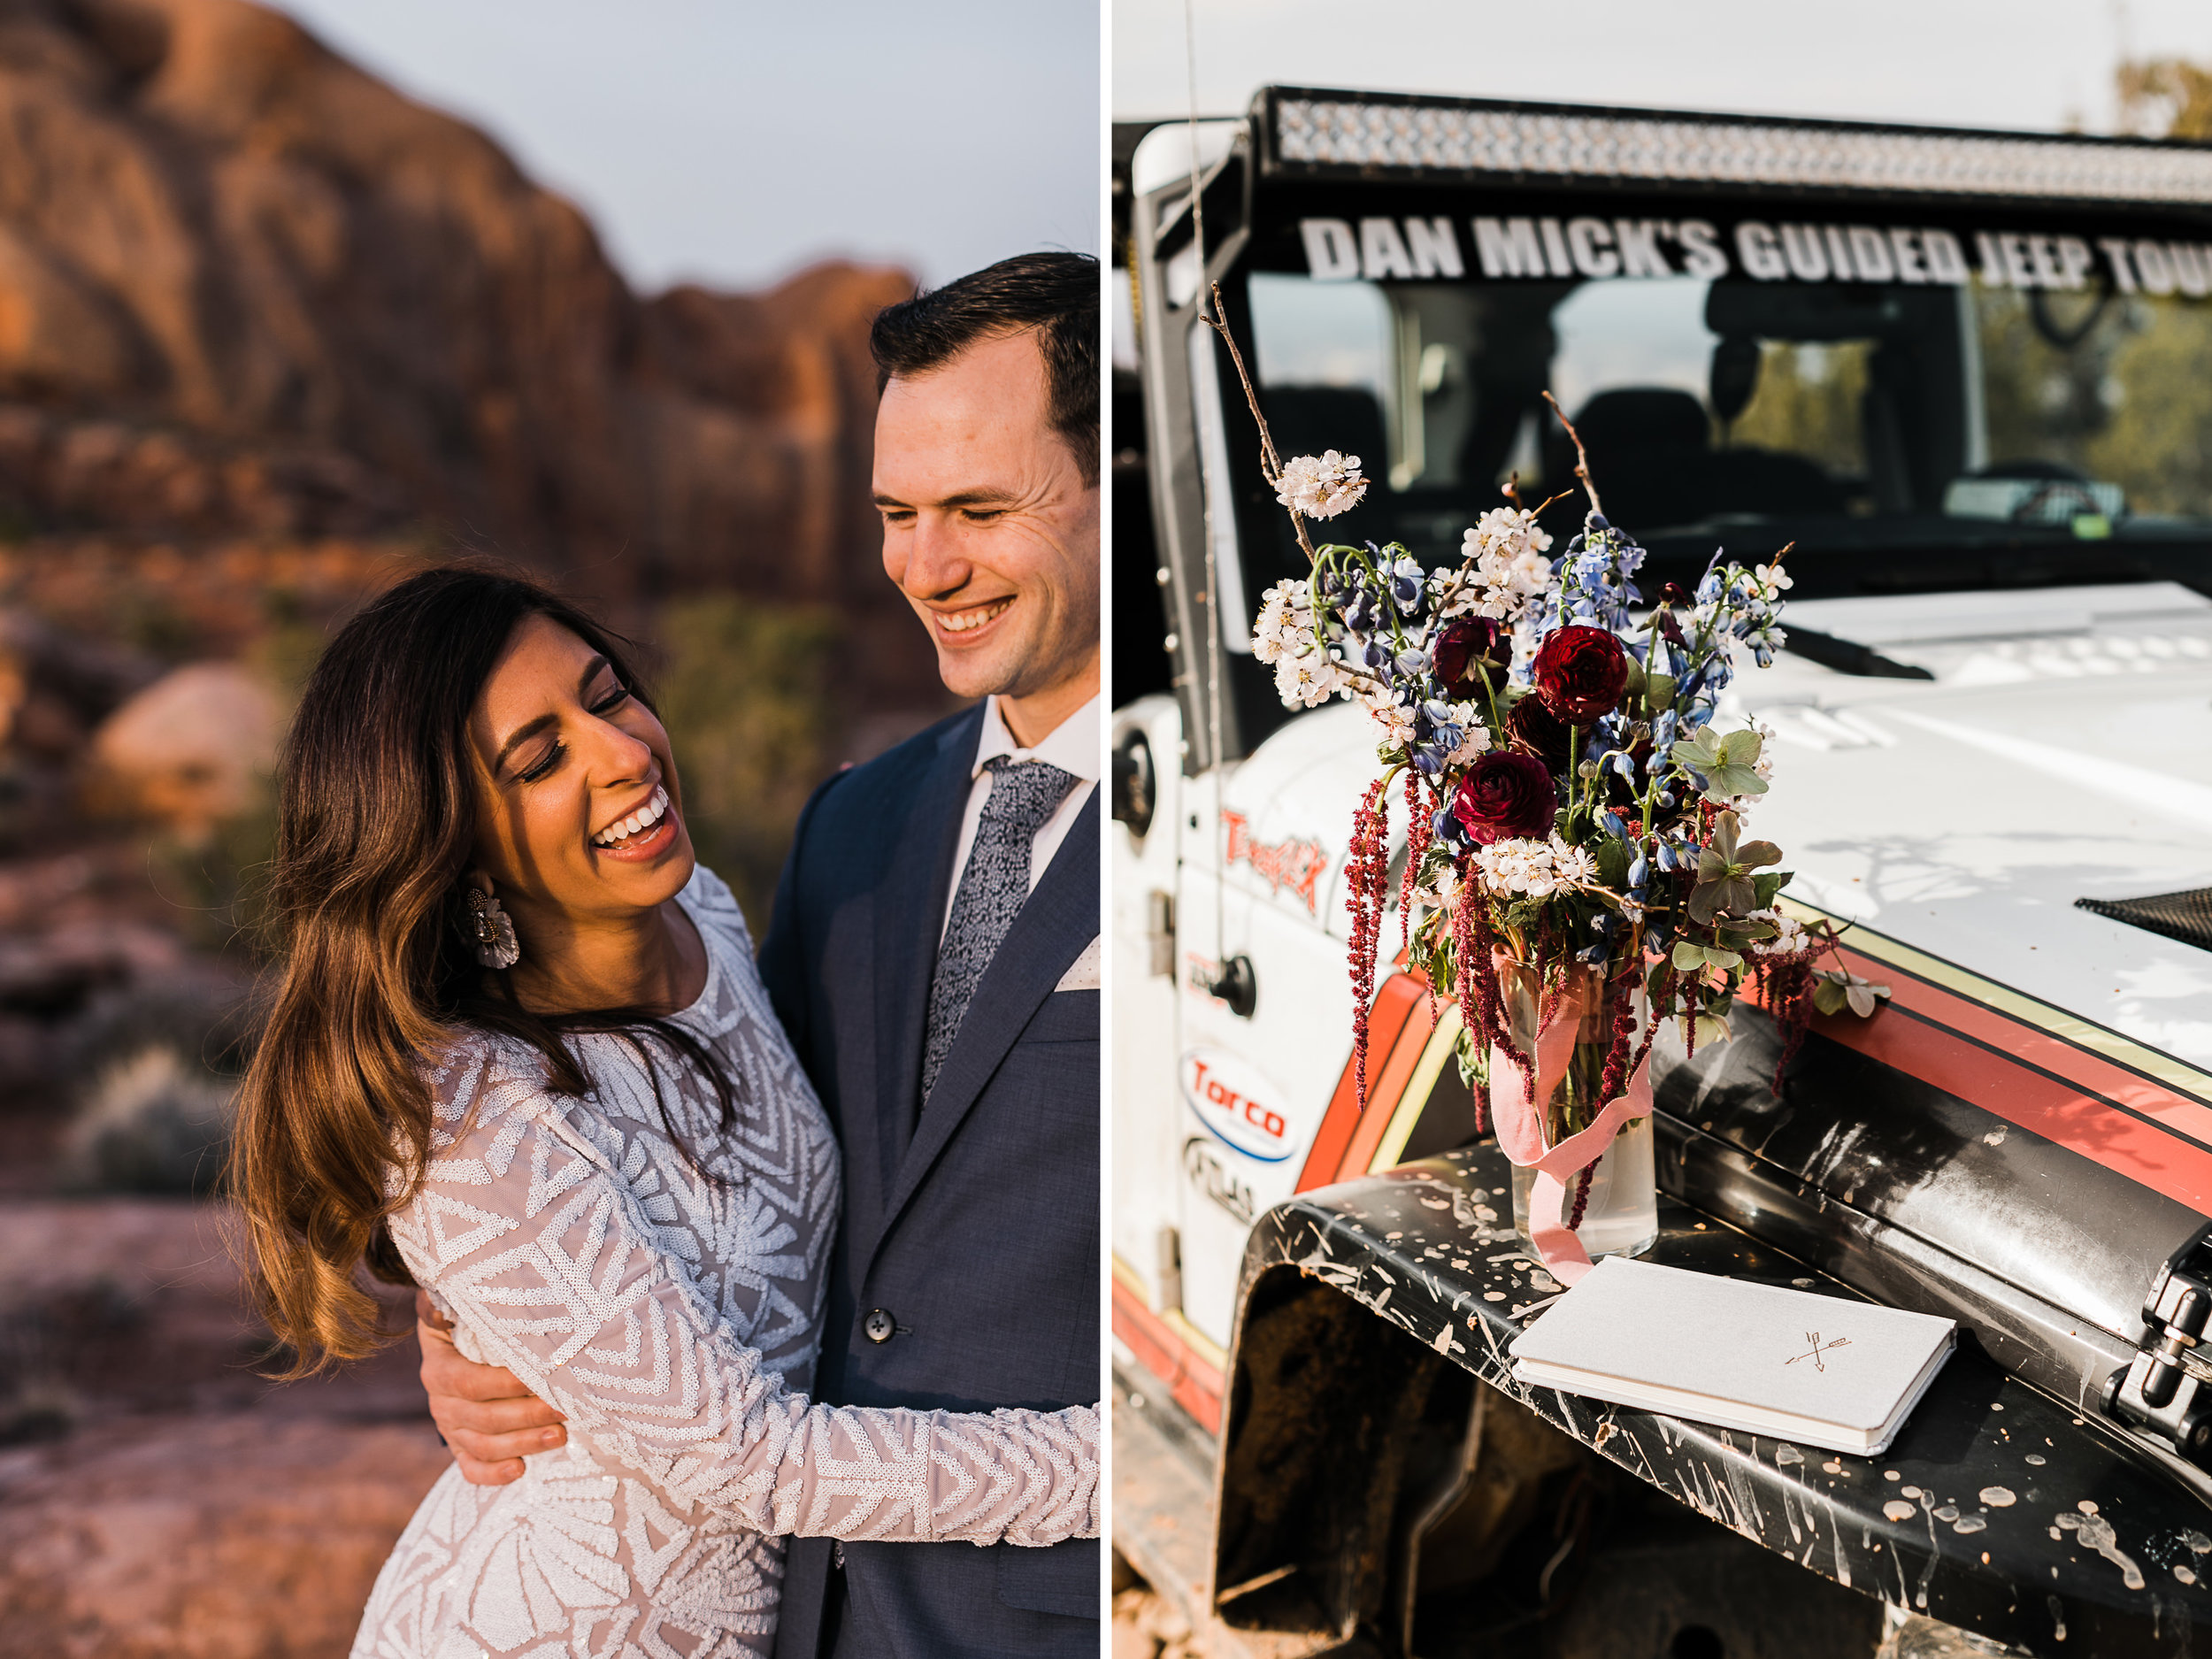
<point>2168,98</point>
<point>746,694</point>
<point>220,883</point>
<point>2042,403</point>
<point>1692,958</point>
<point>2157,445</point>
<point>1725,762</point>
<point>1807,404</point>
<point>1613,862</point>
<point>2130,402</point>
<point>287,648</point>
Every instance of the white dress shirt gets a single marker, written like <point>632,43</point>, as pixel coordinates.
<point>1073,746</point>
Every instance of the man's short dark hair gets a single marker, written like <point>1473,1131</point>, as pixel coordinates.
<point>1056,293</point>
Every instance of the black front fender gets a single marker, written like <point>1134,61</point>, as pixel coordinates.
<point>1337,1432</point>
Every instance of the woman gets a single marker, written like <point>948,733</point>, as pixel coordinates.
<point>520,1056</point>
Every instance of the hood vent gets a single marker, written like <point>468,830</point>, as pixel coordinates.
<point>2184,916</point>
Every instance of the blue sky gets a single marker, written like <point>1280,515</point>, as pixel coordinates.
<point>1965,62</point>
<point>732,142</point>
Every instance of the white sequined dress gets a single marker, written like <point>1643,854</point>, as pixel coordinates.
<point>675,1319</point>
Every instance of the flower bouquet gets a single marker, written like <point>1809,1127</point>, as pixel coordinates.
<point>1576,851</point>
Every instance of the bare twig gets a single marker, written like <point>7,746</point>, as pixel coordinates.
<point>1270,464</point>
<point>1582,456</point>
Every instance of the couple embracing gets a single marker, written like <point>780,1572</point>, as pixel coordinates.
<point>758,1302</point>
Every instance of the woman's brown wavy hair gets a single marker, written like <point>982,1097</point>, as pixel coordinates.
<point>376,801</point>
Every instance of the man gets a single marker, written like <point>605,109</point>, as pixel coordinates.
<point>934,955</point>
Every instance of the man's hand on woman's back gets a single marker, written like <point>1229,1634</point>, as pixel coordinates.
<point>489,1420</point>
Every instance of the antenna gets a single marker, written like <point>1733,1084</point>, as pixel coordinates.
<point>1213,573</point>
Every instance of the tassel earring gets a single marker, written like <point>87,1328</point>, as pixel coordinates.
<point>491,930</point>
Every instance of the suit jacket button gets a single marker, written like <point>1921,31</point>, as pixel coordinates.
<point>879,1324</point>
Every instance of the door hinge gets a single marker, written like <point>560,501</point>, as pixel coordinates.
<point>2164,1389</point>
<point>1159,932</point>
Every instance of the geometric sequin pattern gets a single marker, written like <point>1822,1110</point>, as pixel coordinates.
<point>676,1321</point>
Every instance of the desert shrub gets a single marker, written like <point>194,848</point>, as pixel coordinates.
<point>159,1063</point>
<point>216,883</point>
<point>749,694</point>
<point>50,1342</point>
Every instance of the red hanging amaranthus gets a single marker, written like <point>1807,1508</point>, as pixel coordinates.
<point>1420,828</point>
<point>1367,884</point>
<point>1785,985</point>
<point>1481,998</point>
<point>1622,1055</point>
<point>1582,1193</point>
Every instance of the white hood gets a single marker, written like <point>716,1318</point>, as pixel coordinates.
<point>2062,751</point>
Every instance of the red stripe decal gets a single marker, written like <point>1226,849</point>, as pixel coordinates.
<point>1382,1100</point>
<point>1394,1003</point>
<point>2029,1077</point>
<point>1195,1384</point>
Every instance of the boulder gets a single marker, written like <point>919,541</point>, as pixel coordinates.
<point>190,750</point>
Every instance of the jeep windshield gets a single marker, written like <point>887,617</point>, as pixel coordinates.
<point>1915,406</point>
<point>1932,360</point>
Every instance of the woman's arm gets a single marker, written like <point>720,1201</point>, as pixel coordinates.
<point>548,1264</point>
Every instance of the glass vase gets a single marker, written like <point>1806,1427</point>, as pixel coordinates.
<point>1620,1215</point>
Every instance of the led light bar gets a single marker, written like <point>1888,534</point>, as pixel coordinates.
<point>1325,130</point>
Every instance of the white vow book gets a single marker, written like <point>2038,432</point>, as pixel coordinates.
<point>1817,1370</point>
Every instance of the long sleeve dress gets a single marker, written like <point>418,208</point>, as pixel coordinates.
<point>675,1320</point>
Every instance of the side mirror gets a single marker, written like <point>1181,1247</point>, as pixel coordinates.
<point>1133,783</point>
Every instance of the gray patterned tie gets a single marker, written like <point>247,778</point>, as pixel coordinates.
<point>992,889</point>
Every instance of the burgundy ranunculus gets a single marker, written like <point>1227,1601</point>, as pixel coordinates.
<point>1533,729</point>
<point>1465,647</point>
<point>1581,673</point>
<point>1503,795</point>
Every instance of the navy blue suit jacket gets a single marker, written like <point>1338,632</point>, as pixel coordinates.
<point>979,1235</point>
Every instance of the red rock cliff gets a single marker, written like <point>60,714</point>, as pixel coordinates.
<point>248,290</point>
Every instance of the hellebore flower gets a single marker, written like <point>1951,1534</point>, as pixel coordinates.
<point>1834,991</point>
<point>1728,765</point>
<point>1723,872</point>
<point>1581,673</point>
<point>1506,796</point>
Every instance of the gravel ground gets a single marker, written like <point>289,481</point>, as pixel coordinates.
<point>158,1497</point>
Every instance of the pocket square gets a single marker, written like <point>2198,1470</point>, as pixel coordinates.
<point>1082,975</point>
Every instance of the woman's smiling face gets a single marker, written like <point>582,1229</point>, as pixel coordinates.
<point>579,811</point>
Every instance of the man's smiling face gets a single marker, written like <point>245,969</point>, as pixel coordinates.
<point>991,532</point>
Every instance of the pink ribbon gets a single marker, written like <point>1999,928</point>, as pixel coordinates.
<point>1520,1121</point>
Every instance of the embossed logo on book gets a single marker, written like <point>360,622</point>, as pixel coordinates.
<point>1818,1349</point>
<point>1294,863</point>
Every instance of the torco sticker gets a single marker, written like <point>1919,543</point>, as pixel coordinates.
<point>1296,864</point>
<point>1236,1104</point>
